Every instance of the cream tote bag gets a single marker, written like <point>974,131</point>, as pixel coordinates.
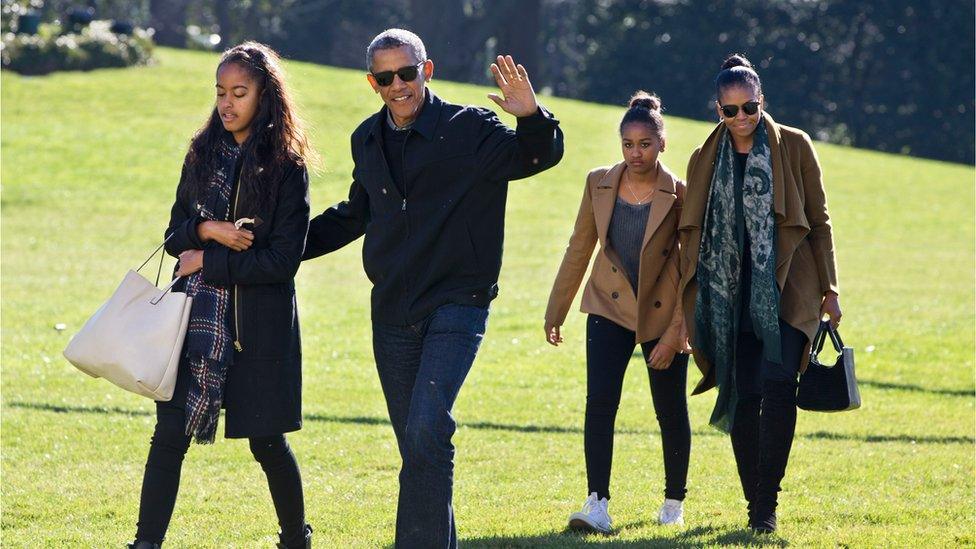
<point>135,339</point>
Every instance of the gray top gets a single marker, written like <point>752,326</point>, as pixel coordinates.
<point>392,124</point>
<point>626,234</point>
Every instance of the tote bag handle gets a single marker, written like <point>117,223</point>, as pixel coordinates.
<point>159,271</point>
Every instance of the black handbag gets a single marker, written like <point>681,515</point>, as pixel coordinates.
<point>829,387</point>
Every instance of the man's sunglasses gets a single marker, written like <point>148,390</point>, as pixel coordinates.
<point>407,74</point>
<point>750,108</point>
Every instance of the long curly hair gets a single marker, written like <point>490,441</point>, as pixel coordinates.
<point>277,138</point>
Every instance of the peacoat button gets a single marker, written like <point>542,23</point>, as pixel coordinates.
<point>657,304</point>
<point>615,295</point>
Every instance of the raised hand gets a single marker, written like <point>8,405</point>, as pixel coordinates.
<point>518,97</point>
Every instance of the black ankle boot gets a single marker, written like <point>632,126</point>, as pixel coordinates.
<point>777,427</point>
<point>143,545</point>
<point>306,544</point>
<point>745,446</point>
<point>763,520</point>
<point>751,509</point>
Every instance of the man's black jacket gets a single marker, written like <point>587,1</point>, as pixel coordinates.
<point>440,241</point>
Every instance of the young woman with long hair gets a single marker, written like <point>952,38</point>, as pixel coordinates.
<point>238,227</point>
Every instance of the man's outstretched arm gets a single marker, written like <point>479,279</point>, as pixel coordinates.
<point>340,224</point>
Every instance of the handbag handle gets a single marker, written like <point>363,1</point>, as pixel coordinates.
<point>161,257</point>
<point>164,291</point>
<point>835,338</point>
<point>820,338</point>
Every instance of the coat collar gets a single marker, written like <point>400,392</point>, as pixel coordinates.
<point>425,124</point>
<point>697,200</point>
<point>605,197</point>
<point>791,221</point>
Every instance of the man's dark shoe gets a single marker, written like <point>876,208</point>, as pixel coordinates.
<point>143,545</point>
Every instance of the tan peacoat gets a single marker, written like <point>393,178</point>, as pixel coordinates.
<point>653,311</point>
<point>805,268</point>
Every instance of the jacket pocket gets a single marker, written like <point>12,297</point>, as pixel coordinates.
<point>472,263</point>
<point>801,296</point>
<point>271,321</point>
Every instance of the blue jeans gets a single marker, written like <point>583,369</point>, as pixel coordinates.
<point>422,367</point>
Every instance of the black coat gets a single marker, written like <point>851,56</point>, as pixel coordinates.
<point>263,393</point>
<point>440,240</point>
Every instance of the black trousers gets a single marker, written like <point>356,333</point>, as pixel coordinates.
<point>609,347</point>
<point>161,481</point>
<point>765,415</point>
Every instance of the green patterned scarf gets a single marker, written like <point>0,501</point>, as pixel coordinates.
<point>720,262</point>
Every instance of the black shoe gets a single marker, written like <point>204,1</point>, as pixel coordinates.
<point>307,544</point>
<point>143,545</point>
<point>762,522</point>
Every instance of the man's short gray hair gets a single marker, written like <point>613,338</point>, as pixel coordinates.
<point>395,38</point>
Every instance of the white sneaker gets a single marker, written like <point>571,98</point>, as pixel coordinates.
<point>593,516</point>
<point>671,513</point>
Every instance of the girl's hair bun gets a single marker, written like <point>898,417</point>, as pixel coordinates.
<point>736,60</point>
<point>646,100</point>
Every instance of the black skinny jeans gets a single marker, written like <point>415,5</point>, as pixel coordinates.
<point>165,462</point>
<point>765,415</point>
<point>609,347</point>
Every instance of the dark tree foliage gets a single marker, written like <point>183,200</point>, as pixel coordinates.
<point>892,75</point>
<point>889,75</point>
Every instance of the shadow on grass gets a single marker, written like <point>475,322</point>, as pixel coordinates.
<point>527,428</point>
<point>682,539</point>
<point>915,388</point>
<point>59,409</point>
<point>825,435</point>
<point>744,537</point>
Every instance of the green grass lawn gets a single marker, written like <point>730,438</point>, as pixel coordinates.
<point>90,165</point>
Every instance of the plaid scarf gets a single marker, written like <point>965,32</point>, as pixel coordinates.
<point>720,264</point>
<point>208,339</point>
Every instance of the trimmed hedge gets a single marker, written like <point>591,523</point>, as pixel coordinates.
<point>95,47</point>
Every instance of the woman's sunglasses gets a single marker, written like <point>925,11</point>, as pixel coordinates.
<point>407,74</point>
<point>750,108</point>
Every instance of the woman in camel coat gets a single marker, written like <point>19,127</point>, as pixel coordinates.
<point>757,274</point>
<point>632,210</point>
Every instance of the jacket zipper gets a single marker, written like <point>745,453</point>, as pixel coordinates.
<point>403,203</point>
<point>403,164</point>
<point>409,278</point>
<point>237,326</point>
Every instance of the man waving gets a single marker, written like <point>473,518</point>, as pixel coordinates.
<point>429,187</point>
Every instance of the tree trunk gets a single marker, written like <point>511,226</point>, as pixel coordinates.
<point>224,22</point>
<point>451,40</point>
<point>518,24</point>
<point>168,18</point>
